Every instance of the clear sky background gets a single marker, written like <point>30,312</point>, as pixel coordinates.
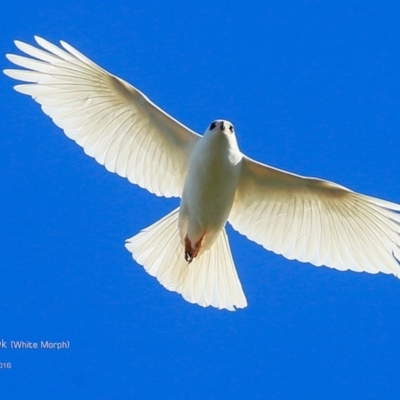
<point>312,87</point>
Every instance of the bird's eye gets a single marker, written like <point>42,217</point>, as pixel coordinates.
<point>213,125</point>
<point>231,128</point>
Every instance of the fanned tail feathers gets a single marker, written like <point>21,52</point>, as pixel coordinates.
<point>210,280</point>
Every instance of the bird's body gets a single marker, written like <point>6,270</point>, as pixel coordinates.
<point>302,218</point>
<point>210,187</point>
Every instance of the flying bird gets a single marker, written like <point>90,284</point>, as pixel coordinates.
<point>302,218</point>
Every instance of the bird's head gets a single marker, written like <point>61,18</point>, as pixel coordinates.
<point>223,126</point>
<point>221,132</point>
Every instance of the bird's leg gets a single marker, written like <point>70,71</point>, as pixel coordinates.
<point>190,252</point>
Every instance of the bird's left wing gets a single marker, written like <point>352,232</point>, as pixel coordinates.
<point>316,221</point>
<point>113,121</point>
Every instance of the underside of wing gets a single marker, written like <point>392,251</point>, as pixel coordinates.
<point>113,122</point>
<point>316,221</point>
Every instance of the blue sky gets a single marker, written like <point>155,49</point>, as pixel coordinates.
<point>312,87</point>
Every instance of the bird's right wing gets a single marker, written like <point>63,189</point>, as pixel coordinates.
<point>113,122</point>
<point>316,221</point>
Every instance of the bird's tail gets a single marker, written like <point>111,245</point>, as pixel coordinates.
<point>210,280</point>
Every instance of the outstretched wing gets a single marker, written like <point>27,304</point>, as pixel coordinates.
<point>316,221</point>
<point>113,122</point>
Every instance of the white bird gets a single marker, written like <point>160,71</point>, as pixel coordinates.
<point>307,219</point>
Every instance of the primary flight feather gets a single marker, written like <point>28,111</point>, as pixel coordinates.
<point>307,219</point>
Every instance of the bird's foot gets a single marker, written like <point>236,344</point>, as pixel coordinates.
<point>190,252</point>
